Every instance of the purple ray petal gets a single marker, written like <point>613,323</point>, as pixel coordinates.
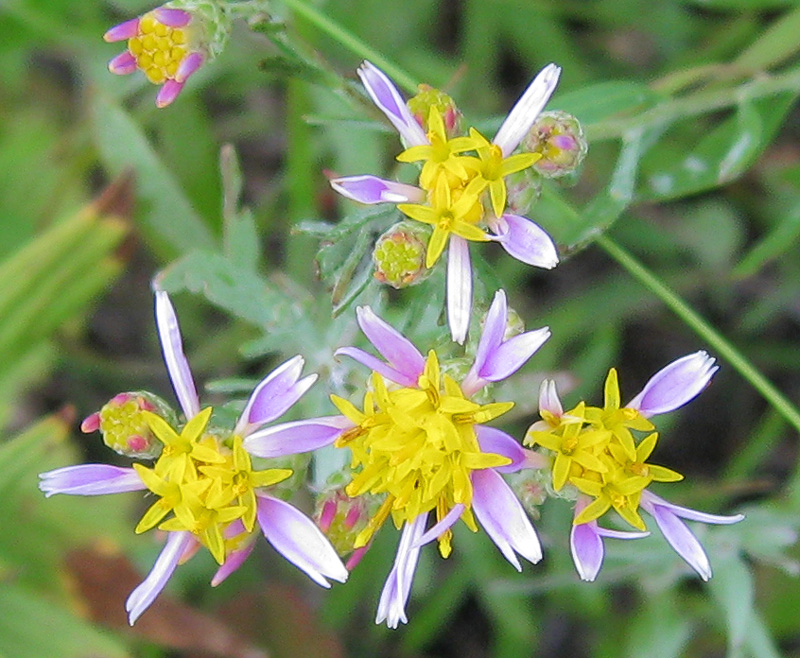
<point>90,480</point>
<point>494,329</point>
<point>169,333</point>
<point>441,527</point>
<point>371,189</point>
<point>527,108</point>
<point>122,64</point>
<point>675,384</point>
<point>392,345</point>
<point>459,288</point>
<point>296,537</point>
<point>233,561</point>
<point>385,95</point>
<point>141,598</point>
<point>169,92</point>
<point>123,31</point>
<point>295,437</point>
<point>587,550</point>
<point>274,395</point>
<point>503,518</point>
<point>511,355</point>
<point>526,241</point>
<point>549,400</point>
<point>681,539</point>
<point>189,66</point>
<point>620,534</point>
<point>374,363</point>
<point>496,441</point>
<point>172,17</point>
<point>649,499</point>
<point>396,590</point>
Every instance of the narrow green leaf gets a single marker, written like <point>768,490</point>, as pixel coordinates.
<point>774,45</point>
<point>778,241</point>
<point>596,102</point>
<point>733,589</point>
<point>169,218</point>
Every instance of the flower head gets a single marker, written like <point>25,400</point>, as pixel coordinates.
<point>419,441</point>
<point>462,192</point>
<point>603,453</point>
<point>206,489</point>
<point>169,44</point>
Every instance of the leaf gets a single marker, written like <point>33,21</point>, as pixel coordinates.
<point>721,156</point>
<point>169,218</point>
<point>733,589</point>
<point>594,103</point>
<point>774,44</point>
<point>782,237</point>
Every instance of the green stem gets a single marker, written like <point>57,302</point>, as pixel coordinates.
<point>353,43</point>
<point>716,341</point>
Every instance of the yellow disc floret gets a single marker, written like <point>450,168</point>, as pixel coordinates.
<point>158,48</point>
<point>203,484</point>
<point>418,447</point>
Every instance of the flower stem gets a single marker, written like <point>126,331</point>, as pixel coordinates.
<point>691,318</point>
<point>353,43</point>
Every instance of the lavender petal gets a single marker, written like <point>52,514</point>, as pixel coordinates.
<point>511,355</point>
<point>459,288</point>
<point>374,363</point>
<point>123,31</point>
<point>296,537</point>
<point>503,518</point>
<point>396,590</point>
<point>675,384</point>
<point>650,499</point>
<point>168,93</point>
<point>189,66</point>
<point>169,334</point>
<point>90,480</point>
<point>141,598</point>
<point>371,189</point>
<point>526,241</point>
<point>681,539</point>
<point>496,441</point>
<point>549,400</point>
<point>441,527</point>
<point>586,546</point>
<point>172,17</point>
<point>295,437</point>
<point>392,345</point>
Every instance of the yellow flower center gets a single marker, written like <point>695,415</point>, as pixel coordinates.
<point>158,48</point>
<point>203,484</point>
<point>418,447</point>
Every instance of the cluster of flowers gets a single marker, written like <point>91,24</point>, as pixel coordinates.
<point>421,450</point>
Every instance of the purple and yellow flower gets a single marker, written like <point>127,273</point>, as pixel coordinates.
<point>603,451</point>
<point>462,192</point>
<point>168,44</point>
<point>422,443</point>
<point>206,489</point>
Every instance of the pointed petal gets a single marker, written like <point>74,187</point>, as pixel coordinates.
<point>385,95</point>
<point>189,66</point>
<point>392,345</point>
<point>122,64</point>
<point>233,561</point>
<point>169,334</point>
<point>493,440</point>
<point>503,518</point>
<point>587,550</point>
<point>675,384</point>
<point>275,395</point>
<point>511,355</point>
<point>90,480</point>
<point>526,241</point>
<point>549,400</point>
<point>682,540</point>
<point>371,189</point>
<point>396,590</point>
<point>296,537</point>
<point>141,598</point>
<point>123,31</point>
<point>649,498</point>
<point>168,93</point>
<point>374,363</point>
<point>527,108</point>
<point>459,288</point>
<point>295,437</point>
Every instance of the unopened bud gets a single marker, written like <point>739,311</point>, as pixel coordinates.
<point>342,518</point>
<point>124,427</point>
<point>523,189</point>
<point>531,487</point>
<point>399,255</point>
<point>559,137</point>
<point>428,97</point>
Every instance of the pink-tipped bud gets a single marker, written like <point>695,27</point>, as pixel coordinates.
<point>399,255</point>
<point>341,518</point>
<point>427,97</point>
<point>559,137</point>
<point>123,31</point>
<point>123,426</point>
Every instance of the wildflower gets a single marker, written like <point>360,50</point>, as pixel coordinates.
<point>603,451</point>
<point>462,197</point>
<point>422,443</point>
<point>207,491</point>
<point>169,44</point>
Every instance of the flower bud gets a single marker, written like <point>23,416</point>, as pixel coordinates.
<point>523,189</point>
<point>399,255</point>
<point>342,518</point>
<point>559,137</point>
<point>170,43</point>
<point>427,97</point>
<point>531,487</point>
<point>123,426</point>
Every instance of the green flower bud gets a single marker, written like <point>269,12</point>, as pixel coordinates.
<point>559,137</point>
<point>399,255</point>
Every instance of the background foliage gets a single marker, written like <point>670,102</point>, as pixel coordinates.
<point>690,195</point>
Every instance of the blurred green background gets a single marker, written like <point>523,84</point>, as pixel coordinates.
<point>693,173</point>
